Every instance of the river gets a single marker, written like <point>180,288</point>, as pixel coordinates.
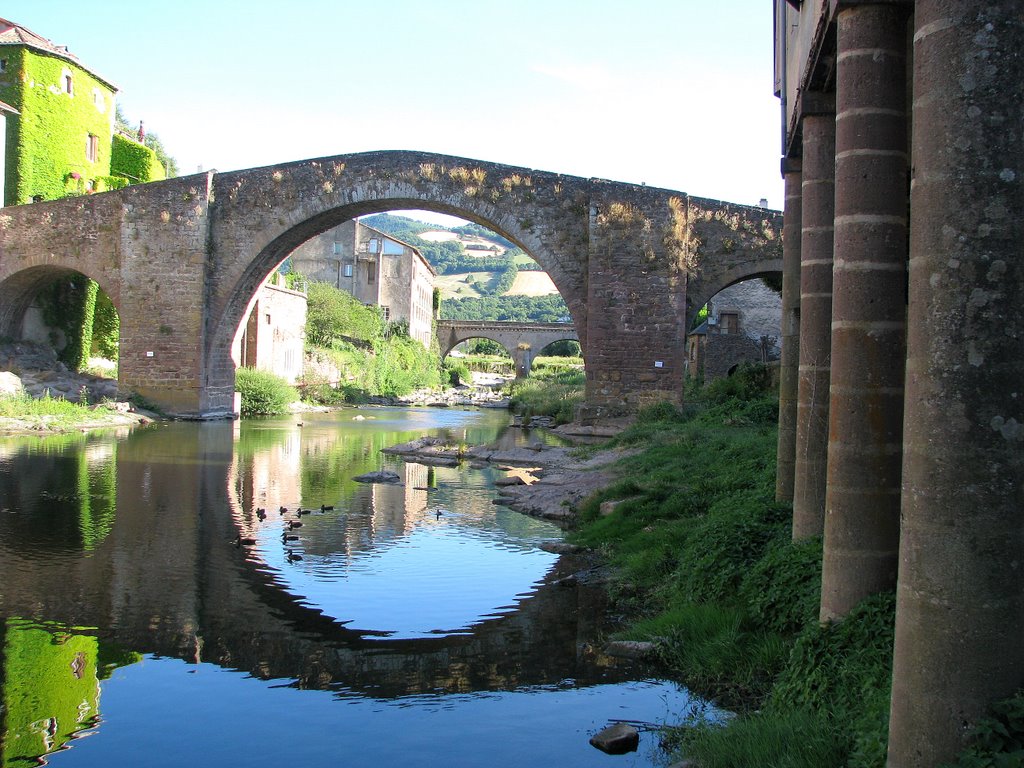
<point>153,614</point>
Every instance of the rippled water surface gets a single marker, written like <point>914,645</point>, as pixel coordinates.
<point>158,608</point>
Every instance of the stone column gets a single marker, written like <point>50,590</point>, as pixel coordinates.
<point>818,206</point>
<point>522,358</point>
<point>862,501</point>
<point>789,370</point>
<point>960,598</point>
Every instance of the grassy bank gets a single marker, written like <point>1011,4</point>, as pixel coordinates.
<point>554,388</point>
<point>706,565</point>
<point>24,413</point>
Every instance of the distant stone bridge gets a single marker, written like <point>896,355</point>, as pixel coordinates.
<point>180,259</point>
<point>522,341</point>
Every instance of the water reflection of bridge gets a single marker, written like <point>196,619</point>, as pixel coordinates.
<point>166,579</point>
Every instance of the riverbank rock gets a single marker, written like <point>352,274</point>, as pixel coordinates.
<point>561,548</point>
<point>428,450</point>
<point>510,480</point>
<point>380,476</point>
<point>10,384</point>
<point>629,649</point>
<point>616,739</point>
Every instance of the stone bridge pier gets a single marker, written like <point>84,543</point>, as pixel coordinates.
<point>180,260</point>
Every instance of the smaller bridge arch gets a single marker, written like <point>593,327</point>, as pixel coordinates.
<point>521,340</point>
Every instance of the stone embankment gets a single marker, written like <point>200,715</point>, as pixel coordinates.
<point>41,373</point>
<point>541,481</point>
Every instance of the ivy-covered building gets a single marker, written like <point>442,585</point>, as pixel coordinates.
<point>60,139</point>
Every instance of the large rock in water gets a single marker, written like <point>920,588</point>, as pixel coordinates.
<point>616,739</point>
<point>10,384</point>
<point>380,476</point>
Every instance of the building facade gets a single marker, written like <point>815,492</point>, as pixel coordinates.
<point>60,132</point>
<point>374,268</point>
<point>273,337</point>
<point>900,435</point>
<point>742,326</point>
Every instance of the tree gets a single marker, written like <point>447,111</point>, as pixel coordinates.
<point>333,315</point>
<point>151,140</point>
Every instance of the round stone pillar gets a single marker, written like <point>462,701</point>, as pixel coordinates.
<point>816,230</point>
<point>862,503</point>
<point>789,369</point>
<point>960,597</point>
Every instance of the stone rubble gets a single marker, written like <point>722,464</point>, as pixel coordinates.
<point>41,373</point>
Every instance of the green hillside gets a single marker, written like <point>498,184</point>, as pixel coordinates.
<point>474,287</point>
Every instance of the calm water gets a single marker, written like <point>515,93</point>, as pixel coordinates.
<point>409,625</point>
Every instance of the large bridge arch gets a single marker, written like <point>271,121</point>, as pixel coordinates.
<point>289,204</point>
<point>181,258</point>
<point>703,291</point>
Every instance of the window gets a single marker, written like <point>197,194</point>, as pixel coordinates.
<point>3,65</point>
<point>348,270</point>
<point>337,247</point>
<point>92,148</point>
<point>729,322</point>
<point>371,245</point>
<point>371,273</point>
<point>267,316</point>
<point>69,83</point>
<point>386,311</point>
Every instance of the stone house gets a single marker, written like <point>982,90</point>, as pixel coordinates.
<point>374,268</point>
<point>273,337</point>
<point>743,325</point>
<point>60,138</point>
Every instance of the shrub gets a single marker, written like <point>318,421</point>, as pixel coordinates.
<point>662,410</point>
<point>997,741</point>
<point>783,588</point>
<point>332,314</point>
<point>263,393</point>
<point>456,372</point>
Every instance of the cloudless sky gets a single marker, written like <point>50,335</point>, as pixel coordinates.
<point>672,93</point>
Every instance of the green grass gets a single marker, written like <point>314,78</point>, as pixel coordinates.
<point>45,413</point>
<point>555,393</point>
<point>706,565</point>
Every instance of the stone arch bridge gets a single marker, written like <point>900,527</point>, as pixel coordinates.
<point>522,341</point>
<point>180,260</point>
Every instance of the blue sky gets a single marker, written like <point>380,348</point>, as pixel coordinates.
<point>672,93</point>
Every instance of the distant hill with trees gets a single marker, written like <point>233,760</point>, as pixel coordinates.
<point>489,277</point>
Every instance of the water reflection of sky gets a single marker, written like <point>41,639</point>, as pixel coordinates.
<point>438,578</point>
<point>132,535</point>
<point>406,561</point>
<point>212,716</point>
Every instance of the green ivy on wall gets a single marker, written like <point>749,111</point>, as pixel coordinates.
<point>68,306</point>
<point>134,161</point>
<point>106,327</point>
<point>47,142</point>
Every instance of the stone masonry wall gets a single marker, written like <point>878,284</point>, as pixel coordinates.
<point>759,309</point>
<point>181,260</point>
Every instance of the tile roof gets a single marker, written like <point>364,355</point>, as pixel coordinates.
<point>15,34</point>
